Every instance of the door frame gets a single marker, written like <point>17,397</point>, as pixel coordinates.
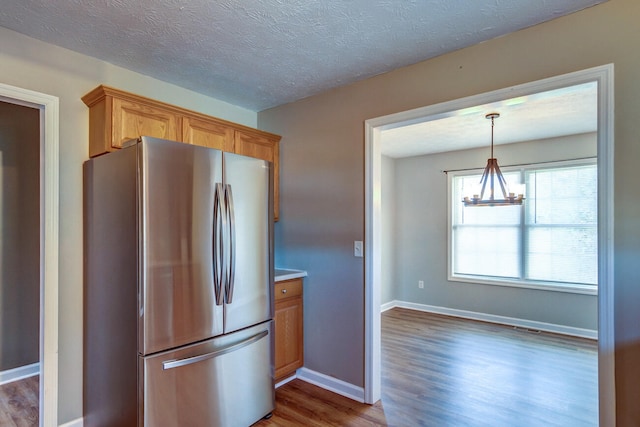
<point>49,218</point>
<point>604,76</point>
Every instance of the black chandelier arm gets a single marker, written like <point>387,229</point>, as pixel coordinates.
<point>484,178</point>
<point>491,171</point>
<point>501,180</point>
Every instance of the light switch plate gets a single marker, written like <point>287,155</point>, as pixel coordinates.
<point>357,248</point>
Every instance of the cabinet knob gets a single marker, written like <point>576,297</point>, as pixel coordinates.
<point>284,291</point>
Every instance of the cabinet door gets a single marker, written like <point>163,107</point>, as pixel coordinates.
<point>207,134</point>
<point>289,346</point>
<point>254,146</point>
<point>263,148</point>
<point>132,120</point>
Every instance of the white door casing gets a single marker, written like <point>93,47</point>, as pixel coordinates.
<point>49,213</point>
<point>603,75</point>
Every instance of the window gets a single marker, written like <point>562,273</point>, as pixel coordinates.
<point>548,242</point>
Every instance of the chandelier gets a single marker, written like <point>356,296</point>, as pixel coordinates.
<point>490,176</point>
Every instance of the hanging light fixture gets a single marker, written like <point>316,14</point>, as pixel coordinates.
<point>490,175</point>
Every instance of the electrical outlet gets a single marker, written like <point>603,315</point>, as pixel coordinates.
<point>357,248</point>
<point>421,284</point>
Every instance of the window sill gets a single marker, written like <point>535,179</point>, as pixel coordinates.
<point>572,288</point>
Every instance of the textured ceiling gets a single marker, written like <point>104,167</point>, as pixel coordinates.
<point>263,53</point>
<point>562,112</point>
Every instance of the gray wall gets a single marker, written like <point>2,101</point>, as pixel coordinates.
<point>421,240</point>
<point>322,193</point>
<point>20,244</point>
<point>323,204</point>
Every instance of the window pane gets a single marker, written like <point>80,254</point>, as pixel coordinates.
<point>562,195</point>
<point>555,236</point>
<point>487,251</point>
<point>485,215</point>
<point>563,254</point>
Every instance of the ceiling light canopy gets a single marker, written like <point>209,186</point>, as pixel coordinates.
<point>491,176</point>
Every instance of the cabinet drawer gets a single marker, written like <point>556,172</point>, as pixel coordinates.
<point>288,289</point>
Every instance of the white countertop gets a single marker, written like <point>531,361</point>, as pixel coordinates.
<point>287,274</point>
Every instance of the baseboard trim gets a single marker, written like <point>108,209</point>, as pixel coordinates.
<point>332,384</point>
<point>19,373</point>
<point>75,423</point>
<point>389,305</point>
<point>286,380</point>
<point>492,318</point>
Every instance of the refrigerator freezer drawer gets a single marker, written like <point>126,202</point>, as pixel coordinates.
<point>225,381</point>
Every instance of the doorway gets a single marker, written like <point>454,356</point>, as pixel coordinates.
<point>47,183</point>
<point>19,258</point>
<point>373,164</point>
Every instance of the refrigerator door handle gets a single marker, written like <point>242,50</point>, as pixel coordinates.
<point>218,250</point>
<point>176,363</point>
<point>231,259</point>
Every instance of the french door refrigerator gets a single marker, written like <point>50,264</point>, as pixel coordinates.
<point>178,326</point>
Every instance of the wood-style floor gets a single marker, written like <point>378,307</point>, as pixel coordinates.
<point>444,371</point>
<point>436,371</point>
<point>19,403</point>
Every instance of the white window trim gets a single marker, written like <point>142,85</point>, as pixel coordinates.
<point>574,288</point>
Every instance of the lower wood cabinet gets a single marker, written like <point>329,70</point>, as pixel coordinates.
<point>289,351</point>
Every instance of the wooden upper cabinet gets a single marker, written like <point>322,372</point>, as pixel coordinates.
<point>207,134</point>
<point>254,146</point>
<point>116,116</point>
<point>132,120</point>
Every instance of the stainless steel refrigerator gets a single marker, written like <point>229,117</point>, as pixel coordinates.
<point>178,326</point>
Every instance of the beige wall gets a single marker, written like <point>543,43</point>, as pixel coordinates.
<point>41,67</point>
<point>322,190</point>
<point>20,236</point>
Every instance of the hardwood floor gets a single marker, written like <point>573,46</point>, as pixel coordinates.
<point>19,403</point>
<point>444,371</point>
<point>302,404</point>
<point>436,371</point>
